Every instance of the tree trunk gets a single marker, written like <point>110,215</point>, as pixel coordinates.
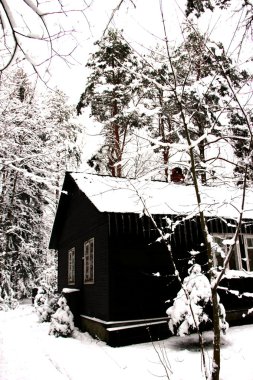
<point>204,228</point>
<point>202,160</point>
<point>216,338</point>
<point>165,150</point>
<point>165,162</point>
<point>9,217</point>
<point>111,162</point>
<point>117,151</point>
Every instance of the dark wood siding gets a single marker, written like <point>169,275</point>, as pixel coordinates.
<point>83,222</point>
<point>136,256</point>
<point>140,269</point>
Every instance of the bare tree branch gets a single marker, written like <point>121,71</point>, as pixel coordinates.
<point>30,22</point>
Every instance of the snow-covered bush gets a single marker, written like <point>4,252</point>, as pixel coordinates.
<point>7,296</point>
<point>8,303</point>
<point>39,302</point>
<point>189,310</point>
<point>62,321</point>
<point>45,305</point>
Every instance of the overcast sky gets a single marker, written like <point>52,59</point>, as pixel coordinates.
<point>140,21</point>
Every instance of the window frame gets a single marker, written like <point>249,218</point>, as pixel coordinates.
<point>71,266</point>
<point>246,247</point>
<point>239,254</point>
<point>88,262</point>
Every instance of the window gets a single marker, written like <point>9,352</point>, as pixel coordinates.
<point>249,252</point>
<point>221,250</point>
<point>88,277</point>
<point>242,255</point>
<point>71,266</point>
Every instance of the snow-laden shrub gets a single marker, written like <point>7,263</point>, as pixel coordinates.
<point>39,302</point>
<point>7,296</point>
<point>8,303</point>
<point>62,321</point>
<point>190,306</point>
<point>45,305</point>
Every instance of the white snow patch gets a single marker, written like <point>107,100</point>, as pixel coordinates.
<point>70,290</point>
<point>27,352</point>
<point>237,274</point>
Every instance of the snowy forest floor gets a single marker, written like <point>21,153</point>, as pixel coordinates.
<point>27,352</point>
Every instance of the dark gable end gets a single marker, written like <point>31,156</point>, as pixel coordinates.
<point>69,191</point>
<point>61,211</point>
<point>77,222</point>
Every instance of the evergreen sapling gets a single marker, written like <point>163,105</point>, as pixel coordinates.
<point>62,321</point>
<point>189,311</point>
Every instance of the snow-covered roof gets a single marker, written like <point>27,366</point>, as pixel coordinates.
<point>121,195</point>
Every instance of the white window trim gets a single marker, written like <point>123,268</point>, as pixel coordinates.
<point>71,266</point>
<point>87,259</point>
<point>245,236</point>
<point>239,258</point>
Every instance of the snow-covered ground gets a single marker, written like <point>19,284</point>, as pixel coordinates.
<point>27,352</point>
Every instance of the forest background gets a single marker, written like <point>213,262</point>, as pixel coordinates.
<point>176,94</point>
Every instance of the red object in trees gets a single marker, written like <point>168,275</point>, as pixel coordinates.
<point>177,175</point>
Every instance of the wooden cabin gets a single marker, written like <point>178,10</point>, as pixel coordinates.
<point>114,267</point>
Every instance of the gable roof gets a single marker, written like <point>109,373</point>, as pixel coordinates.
<point>122,195</point>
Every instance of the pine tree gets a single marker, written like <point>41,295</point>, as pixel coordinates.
<point>160,101</point>
<point>21,200</point>
<point>113,94</point>
<point>202,69</point>
<point>192,305</point>
<point>62,321</point>
<point>31,163</point>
